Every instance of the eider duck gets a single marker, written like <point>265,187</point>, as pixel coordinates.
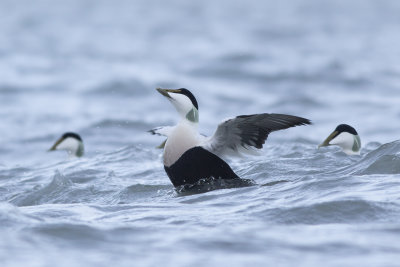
<point>345,137</point>
<point>190,157</point>
<point>71,142</point>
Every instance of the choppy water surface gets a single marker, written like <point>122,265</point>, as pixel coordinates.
<point>92,66</point>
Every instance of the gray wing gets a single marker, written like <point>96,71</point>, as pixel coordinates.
<point>249,131</point>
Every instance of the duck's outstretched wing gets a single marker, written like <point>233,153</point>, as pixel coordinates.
<point>162,131</point>
<point>248,131</point>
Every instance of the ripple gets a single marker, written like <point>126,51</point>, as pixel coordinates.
<point>340,211</point>
<point>386,164</point>
<point>206,185</point>
<point>52,192</point>
<point>11,216</point>
<point>384,160</point>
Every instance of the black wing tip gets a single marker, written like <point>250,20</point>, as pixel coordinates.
<point>297,121</point>
<point>302,122</point>
<point>305,122</point>
<point>152,131</point>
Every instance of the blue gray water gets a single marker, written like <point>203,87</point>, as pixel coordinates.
<point>92,66</point>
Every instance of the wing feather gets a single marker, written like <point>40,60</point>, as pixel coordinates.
<point>162,130</point>
<point>249,131</point>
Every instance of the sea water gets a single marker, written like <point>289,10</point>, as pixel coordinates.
<point>92,67</point>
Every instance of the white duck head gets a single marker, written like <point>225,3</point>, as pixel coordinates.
<point>345,137</point>
<point>184,102</point>
<point>71,142</point>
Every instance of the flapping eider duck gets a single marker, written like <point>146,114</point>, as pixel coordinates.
<point>71,142</point>
<point>189,157</point>
<point>345,137</point>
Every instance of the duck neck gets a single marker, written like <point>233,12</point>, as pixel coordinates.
<point>193,115</point>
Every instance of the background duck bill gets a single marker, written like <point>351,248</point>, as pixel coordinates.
<point>328,139</point>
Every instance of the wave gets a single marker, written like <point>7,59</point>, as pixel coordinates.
<point>383,160</point>
<point>11,216</point>
<point>206,185</point>
<point>336,211</point>
<point>52,192</point>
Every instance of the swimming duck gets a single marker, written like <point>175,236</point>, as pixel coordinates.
<point>345,137</point>
<point>189,156</point>
<point>71,142</point>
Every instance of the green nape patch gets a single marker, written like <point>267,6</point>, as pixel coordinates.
<point>193,115</point>
<point>357,143</point>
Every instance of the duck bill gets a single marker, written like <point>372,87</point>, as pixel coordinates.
<point>328,139</point>
<point>54,147</point>
<point>165,92</point>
